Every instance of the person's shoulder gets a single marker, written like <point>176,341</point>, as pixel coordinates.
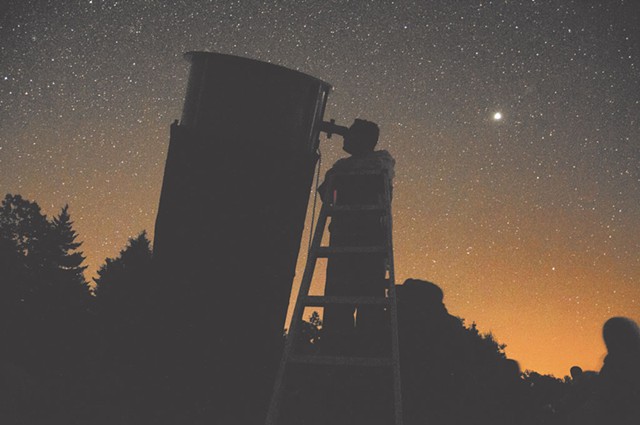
<point>343,162</point>
<point>382,152</point>
<point>370,160</point>
<point>384,155</point>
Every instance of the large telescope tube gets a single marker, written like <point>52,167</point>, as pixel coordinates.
<point>234,196</point>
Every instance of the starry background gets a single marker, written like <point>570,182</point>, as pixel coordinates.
<point>530,224</point>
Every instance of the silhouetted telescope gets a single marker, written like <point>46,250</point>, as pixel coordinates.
<point>234,197</point>
<point>330,127</point>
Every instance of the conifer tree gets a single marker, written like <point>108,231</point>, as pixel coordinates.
<point>46,253</point>
<point>121,292</point>
<point>46,326</point>
<point>44,276</point>
<point>65,262</point>
<point>121,280</point>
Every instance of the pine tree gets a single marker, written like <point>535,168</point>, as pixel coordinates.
<point>45,265</point>
<point>46,326</point>
<point>122,294</point>
<point>45,252</point>
<point>64,265</point>
<point>121,280</point>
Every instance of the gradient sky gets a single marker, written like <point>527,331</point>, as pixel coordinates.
<point>530,224</point>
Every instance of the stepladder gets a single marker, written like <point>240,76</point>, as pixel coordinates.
<point>351,372</point>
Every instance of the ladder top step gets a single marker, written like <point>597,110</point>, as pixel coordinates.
<point>342,361</point>
<point>319,301</point>
<point>355,208</point>
<point>326,251</point>
<point>360,172</point>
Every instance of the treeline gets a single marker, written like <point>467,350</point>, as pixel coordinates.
<point>47,322</point>
<point>71,354</point>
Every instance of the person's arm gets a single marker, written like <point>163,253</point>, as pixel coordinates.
<point>324,187</point>
<point>321,190</point>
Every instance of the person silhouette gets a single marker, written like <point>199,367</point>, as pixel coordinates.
<point>351,394</point>
<point>615,398</point>
<point>358,274</point>
<point>620,373</point>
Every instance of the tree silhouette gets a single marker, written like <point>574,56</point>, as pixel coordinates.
<point>23,224</point>
<point>64,259</point>
<point>46,327</point>
<point>44,278</point>
<point>121,278</point>
<point>309,333</point>
<point>122,291</point>
<point>122,294</point>
<point>68,357</point>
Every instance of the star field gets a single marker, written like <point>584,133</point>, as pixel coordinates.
<point>529,223</point>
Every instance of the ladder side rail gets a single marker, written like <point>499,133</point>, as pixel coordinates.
<point>302,300</point>
<point>393,307</point>
<point>305,285</point>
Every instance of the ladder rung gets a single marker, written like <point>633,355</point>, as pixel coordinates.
<point>341,361</point>
<point>326,251</point>
<point>319,301</point>
<point>361,172</point>
<point>355,208</point>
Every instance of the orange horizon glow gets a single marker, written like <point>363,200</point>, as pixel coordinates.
<point>495,277</point>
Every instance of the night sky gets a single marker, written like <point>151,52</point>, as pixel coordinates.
<point>529,223</point>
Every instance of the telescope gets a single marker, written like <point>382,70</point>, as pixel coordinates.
<point>237,180</point>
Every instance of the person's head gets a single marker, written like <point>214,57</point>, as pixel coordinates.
<point>362,137</point>
<point>426,291</point>
<point>512,368</point>
<point>621,335</point>
<point>576,372</point>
